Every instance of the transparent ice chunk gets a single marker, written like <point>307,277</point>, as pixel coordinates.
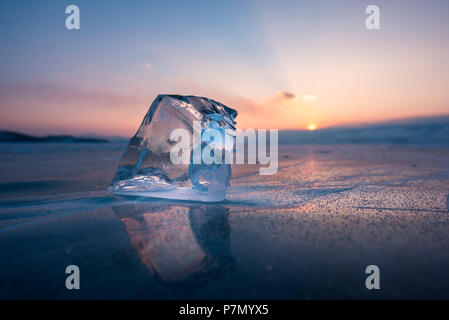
<point>146,168</point>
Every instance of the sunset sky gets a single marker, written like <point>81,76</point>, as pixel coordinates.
<point>281,64</point>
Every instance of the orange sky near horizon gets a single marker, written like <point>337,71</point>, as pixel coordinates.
<point>122,118</point>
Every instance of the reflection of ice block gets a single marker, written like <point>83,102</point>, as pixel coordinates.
<point>146,168</point>
<point>183,244</point>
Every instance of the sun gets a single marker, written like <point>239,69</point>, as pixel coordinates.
<point>311,126</point>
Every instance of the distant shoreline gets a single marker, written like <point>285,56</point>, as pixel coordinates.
<point>10,136</point>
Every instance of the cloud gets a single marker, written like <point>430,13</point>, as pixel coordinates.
<point>264,104</point>
<point>309,97</point>
<point>287,95</point>
<point>279,110</point>
<point>43,108</point>
<point>39,93</point>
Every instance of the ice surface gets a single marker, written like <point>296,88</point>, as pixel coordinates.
<point>146,169</point>
<point>328,212</point>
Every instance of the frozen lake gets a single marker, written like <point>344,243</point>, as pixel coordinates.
<point>307,232</point>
